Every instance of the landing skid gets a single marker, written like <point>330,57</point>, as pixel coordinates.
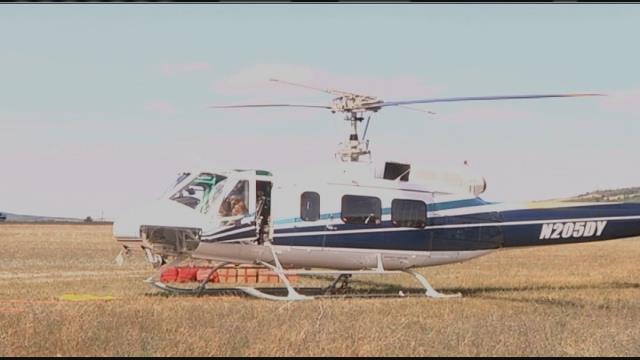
<point>338,289</point>
<point>431,292</point>
<point>291,293</point>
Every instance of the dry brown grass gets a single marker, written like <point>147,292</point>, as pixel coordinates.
<point>580,300</point>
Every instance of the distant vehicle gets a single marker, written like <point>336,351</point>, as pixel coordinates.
<point>3,217</point>
<point>358,219</point>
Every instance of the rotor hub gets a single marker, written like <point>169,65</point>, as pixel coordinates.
<point>355,103</point>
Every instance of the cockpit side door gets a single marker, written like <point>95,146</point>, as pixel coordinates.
<point>263,219</point>
<point>238,203</point>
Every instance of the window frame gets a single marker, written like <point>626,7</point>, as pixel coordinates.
<point>396,223</point>
<point>377,213</point>
<point>302,202</point>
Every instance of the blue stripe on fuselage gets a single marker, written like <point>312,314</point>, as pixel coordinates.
<point>488,230</point>
<point>420,239</point>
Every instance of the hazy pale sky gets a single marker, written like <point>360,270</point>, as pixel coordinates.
<point>102,104</point>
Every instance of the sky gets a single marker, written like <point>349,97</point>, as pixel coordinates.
<point>101,105</point>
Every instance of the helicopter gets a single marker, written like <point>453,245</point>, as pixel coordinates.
<point>360,218</point>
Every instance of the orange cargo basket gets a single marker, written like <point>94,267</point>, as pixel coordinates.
<point>247,274</point>
<point>169,275</point>
<point>204,273</point>
<point>187,274</point>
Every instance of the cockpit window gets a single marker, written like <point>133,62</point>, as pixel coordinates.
<point>197,191</point>
<point>237,202</point>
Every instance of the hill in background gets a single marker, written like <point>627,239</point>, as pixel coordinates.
<point>9,217</point>
<point>631,194</point>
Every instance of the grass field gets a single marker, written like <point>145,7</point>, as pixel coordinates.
<point>566,300</point>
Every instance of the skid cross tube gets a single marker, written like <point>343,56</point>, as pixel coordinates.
<point>200,288</point>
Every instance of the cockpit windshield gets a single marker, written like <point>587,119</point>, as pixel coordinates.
<point>196,192</point>
<point>180,178</point>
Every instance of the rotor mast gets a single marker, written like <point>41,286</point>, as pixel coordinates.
<point>354,106</point>
<point>354,147</point>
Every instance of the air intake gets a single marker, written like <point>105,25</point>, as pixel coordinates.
<point>393,171</point>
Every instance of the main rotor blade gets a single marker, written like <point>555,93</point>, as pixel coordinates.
<point>270,105</point>
<point>328,91</point>
<point>472,98</point>
<point>416,109</point>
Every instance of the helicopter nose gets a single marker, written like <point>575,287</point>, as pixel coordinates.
<point>164,213</point>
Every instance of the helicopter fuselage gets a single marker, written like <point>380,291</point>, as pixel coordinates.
<point>356,220</point>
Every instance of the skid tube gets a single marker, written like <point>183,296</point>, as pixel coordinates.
<point>309,293</point>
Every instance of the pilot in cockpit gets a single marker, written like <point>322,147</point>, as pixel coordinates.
<point>232,206</point>
<point>238,207</point>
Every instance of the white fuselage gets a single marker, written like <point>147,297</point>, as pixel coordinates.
<point>321,242</point>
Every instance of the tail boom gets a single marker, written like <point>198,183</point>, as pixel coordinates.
<point>571,224</point>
